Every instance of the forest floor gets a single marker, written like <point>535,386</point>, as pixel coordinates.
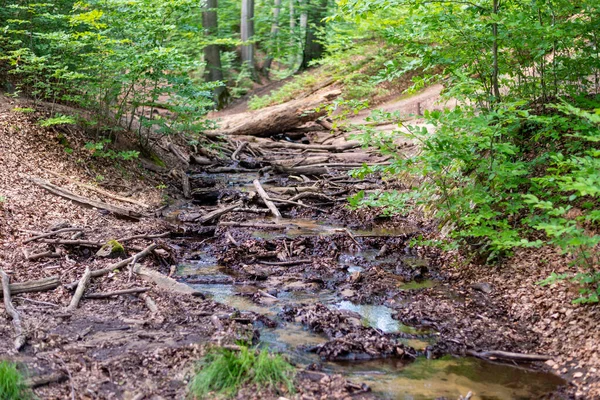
<point>144,346</point>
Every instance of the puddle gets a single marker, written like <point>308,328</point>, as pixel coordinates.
<point>379,317</point>
<point>450,378</point>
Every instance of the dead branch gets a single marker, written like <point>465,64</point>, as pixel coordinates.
<point>20,337</point>
<point>266,199</point>
<point>81,287</point>
<point>295,203</point>
<point>251,225</point>
<point>118,265</point>
<point>35,256</point>
<point>143,236</point>
<point>217,213</point>
<point>322,147</point>
<point>39,285</point>
<point>98,190</point>
<point>179,154</point>
<point>237,152</point>
<point>119,211</point>
<point>117,293</point>
<point>42,380</point>
<point>48,234</point>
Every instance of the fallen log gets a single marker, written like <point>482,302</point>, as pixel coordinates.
<point>300,146</point>
<point>106,295</point>
<point>57,190</point>
<point>275,119</point>
<point>164,281</point>
<point>506,355</point>
<point>39,285</point>
<point>20,337</point>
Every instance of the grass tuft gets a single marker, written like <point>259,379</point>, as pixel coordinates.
<point>225,371</point>
<point>12,383</point>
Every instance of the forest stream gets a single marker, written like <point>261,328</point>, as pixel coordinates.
<point>282,287</point>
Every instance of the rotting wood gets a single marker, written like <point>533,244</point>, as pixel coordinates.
<point>164,281</point>
<point>506,355</point>
<point>98,190</point>
<point>53,233</point>
<point>106,295</point>
<point>81,287</point>
<point>119,211</point>
<point>265,197</point>
<point>201,160</point>
<point>275,119</point>
<point>117,265</point>
<point>38,285</point>
<point>20,337</point>
<point>150,304</point>
<point>217,213</point>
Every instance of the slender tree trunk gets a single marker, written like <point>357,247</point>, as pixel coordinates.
<point>495,72</point>
<point>212,53</point>
<point>247,33</point>
<point>274,33</point>
<point>312,48</point>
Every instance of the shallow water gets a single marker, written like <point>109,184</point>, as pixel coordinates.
<point>389,378</point>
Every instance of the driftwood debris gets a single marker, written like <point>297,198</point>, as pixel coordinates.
<point>39,285</point>
<point>265,197</point>
<point>20,337</point>
<point>57,190</point>
<point>276,119</point>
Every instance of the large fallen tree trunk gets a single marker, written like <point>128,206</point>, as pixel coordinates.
<point>40,285</point>
<point>276,119</point>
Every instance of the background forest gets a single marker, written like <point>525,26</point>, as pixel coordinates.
<point>515,164</point>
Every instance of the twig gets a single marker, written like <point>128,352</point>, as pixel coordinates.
<point>217,213</point>
<point>143,236</point>
<point>20,337</point>
<point>231,239</point>
<point>81,286</point>
<point>286,263</point>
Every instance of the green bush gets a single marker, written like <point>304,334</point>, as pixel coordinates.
<point>225,371</point>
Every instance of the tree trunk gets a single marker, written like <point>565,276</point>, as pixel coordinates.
<point>212,53</point>
<point>495,72</point>
<point>312,48</point>
<point>247,34</point>
<point>274,32</point>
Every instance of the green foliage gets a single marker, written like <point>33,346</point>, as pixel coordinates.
<point>225,371</point>
<point>57,120</point>
<point>517,167</point>
<point>100,149</point>
<point>12,383</point>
